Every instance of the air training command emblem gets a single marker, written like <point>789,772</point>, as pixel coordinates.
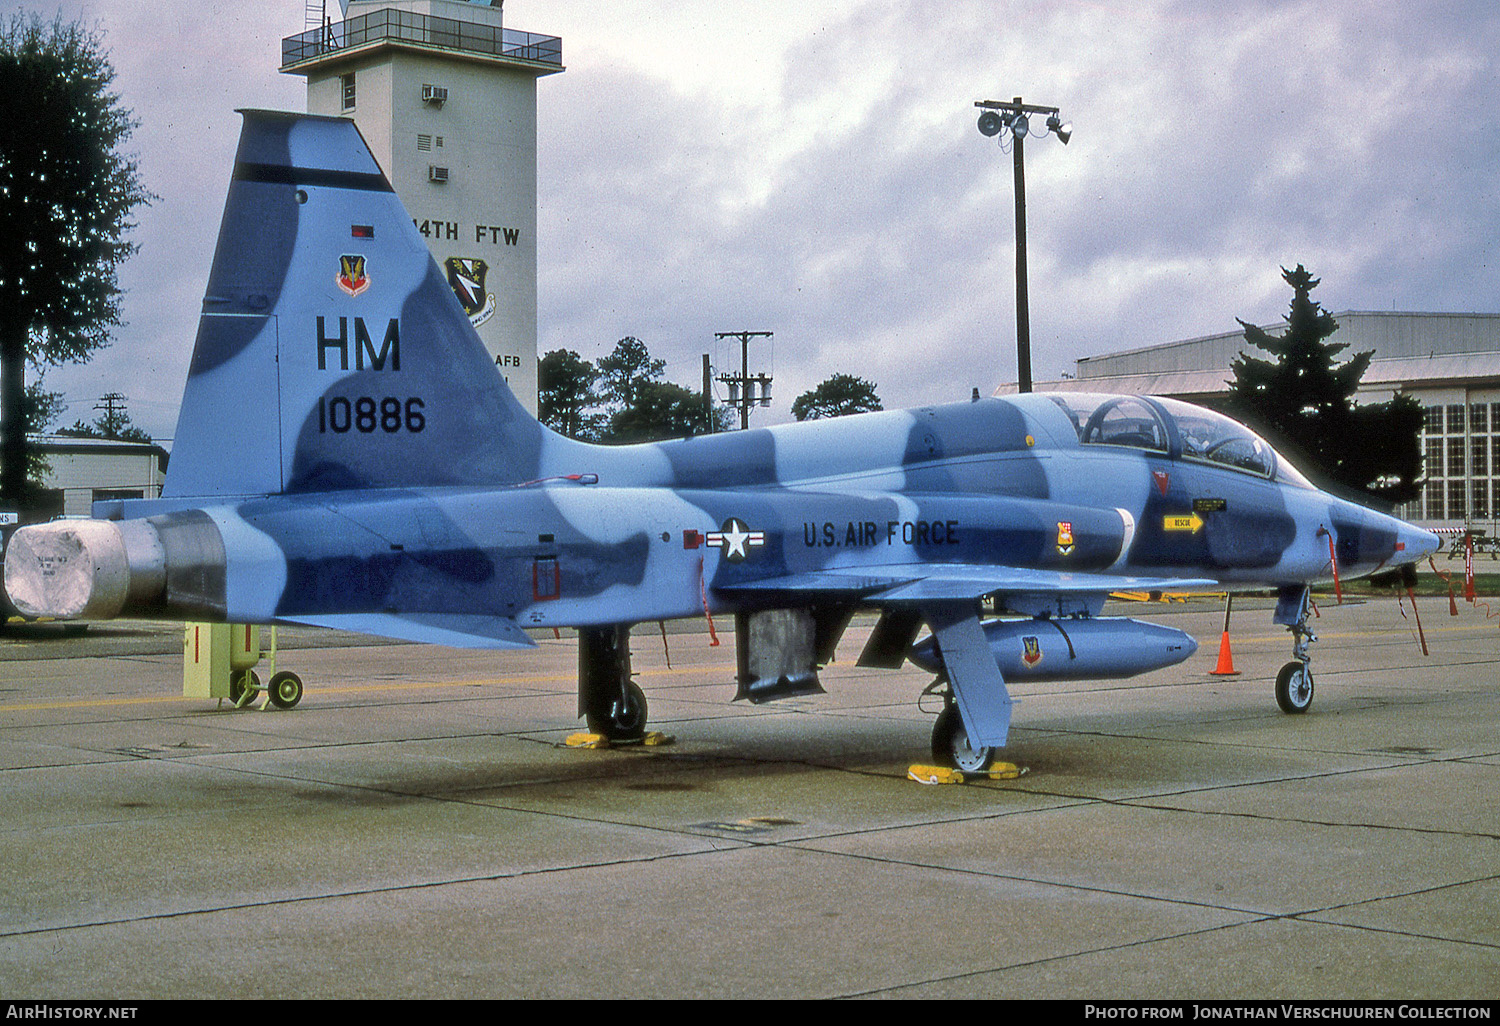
<point>352,277</point>
<point>1031,653</point>
<point>466,278</point>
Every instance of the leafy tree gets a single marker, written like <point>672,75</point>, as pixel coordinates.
<point>838,396</point>
<point>113,424</point>
<point>39,409</point>
<point>626,369</point>
<point>567,390</point>
<point>1304,402</point>
<point>661,410</point>
<point>66,197</point>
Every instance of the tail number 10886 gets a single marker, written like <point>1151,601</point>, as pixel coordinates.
<point>368,415</point>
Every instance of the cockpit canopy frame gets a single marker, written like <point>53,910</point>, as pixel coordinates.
<point>1174,429</point>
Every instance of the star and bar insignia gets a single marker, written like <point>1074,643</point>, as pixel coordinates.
<point>736,539</point>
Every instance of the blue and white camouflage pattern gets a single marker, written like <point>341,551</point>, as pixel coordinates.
<point>349,456</point>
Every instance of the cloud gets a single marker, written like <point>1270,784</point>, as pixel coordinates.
<point>814,169</point>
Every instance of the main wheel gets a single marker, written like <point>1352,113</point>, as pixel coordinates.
<point>624,719</point>
<point>285,690</point>
<point>951,747</point>
<point>1294,688</point>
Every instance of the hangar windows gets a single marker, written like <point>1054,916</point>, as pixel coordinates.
<point>1461,450</point>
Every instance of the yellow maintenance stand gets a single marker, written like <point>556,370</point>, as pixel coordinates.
<point>218,661</point>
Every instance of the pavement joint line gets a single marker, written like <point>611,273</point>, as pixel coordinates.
<point>1146,802</point>
<point>1258,916</point>
<point>1302,821</point>
<point>1062,957</point>
<point>359,892</point>
<point>1144,942</point>
<point>1309,917</point>
<point>1307,914</point>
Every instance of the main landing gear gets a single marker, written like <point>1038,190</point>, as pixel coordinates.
<point>950,740</point>
<point>613,705</point>
<point>1294,684</point>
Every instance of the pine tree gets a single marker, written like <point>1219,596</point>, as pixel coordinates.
<point>1303,402</point>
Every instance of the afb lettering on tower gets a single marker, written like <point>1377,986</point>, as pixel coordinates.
<point>366,356</point>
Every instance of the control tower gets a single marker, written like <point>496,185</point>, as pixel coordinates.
<point>446,97</point>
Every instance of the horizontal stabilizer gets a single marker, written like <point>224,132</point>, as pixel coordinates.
<point>453,630</point>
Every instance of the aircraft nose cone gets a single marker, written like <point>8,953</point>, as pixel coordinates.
<point>1417,543</point>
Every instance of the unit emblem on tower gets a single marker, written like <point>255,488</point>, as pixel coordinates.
<point>352,277</point>
<point>466,278</point>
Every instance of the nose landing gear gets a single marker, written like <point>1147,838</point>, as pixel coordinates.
<point>1294,684</point>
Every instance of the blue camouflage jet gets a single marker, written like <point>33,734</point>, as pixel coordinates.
<point>349,456</point>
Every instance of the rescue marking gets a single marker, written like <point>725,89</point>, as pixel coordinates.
<point>1192,523</point>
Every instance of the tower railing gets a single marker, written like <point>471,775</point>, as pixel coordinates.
<point>398,26</point>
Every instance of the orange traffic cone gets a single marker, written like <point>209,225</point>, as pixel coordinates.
<point>1226,660</point>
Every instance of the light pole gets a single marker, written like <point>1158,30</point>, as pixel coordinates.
<point>1000,119</point>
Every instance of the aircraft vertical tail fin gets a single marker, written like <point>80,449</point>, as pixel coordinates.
<point>331,352</point>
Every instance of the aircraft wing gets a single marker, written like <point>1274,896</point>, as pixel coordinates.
<point>919,583</point>
<point>450,629</point>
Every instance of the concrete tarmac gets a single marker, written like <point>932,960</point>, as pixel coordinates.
<point>414,828</point>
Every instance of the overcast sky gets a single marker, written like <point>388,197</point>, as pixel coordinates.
<point>813,168</point>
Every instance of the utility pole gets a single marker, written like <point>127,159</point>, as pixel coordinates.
<point>113,402</point>
<point>710,422</point>
<point>113,405</point>
<point>1012,117</point>
<point>742,385</point>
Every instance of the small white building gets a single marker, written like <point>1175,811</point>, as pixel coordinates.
<point>88,470</point>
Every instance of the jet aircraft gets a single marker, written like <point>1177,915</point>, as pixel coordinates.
<point>349,456</point>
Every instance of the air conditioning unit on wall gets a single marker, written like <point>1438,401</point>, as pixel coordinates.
<point>436,174</point>
<point>435,95</point>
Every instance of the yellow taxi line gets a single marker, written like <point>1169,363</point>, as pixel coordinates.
<point>569,679</point>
